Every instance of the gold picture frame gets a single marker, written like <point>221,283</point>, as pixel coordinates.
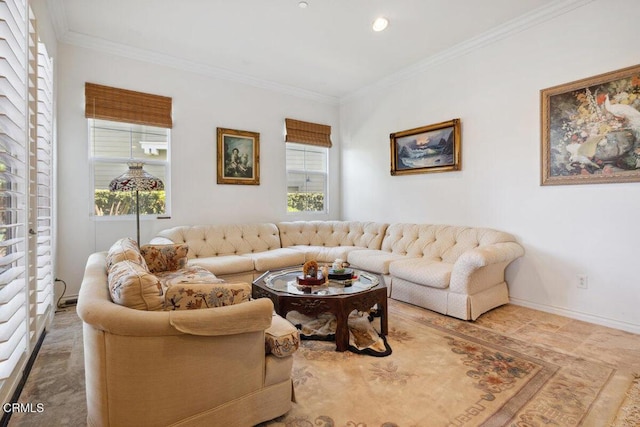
<point>238,157</point>
<point>590,130</point>
<point>432,148</point>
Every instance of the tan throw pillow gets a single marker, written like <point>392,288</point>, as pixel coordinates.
<point>193,296</point>
<point>165,257</point>
<point>125,249</point>
<point>134,287</point>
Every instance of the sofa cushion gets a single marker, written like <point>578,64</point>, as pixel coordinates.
<point>275,258</point>
<point>189,274</point>
<point>131,285</point>
<point>193,296</point>
<point>227,264</point>
<point>332,233</point>
<point>373,260</point>
<point>125,249</point>
<point>219,240</point>
<point>426,272</point>
<point>281,339</point>
<point>324,253</point>
<point>165,257</point>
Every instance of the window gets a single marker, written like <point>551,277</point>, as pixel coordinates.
<point>306,178</point>
<point>112,146</point>
<point>124,127</point>
<point>307,165</point>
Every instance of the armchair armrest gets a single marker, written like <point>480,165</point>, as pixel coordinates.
<point>497,255</point>
<point>250,316</point>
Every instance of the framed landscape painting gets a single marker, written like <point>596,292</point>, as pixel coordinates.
<point>433,148</point>
<point>238,157</point>
<point>590,130</point>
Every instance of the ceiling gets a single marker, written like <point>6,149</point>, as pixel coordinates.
<point>327,50</point>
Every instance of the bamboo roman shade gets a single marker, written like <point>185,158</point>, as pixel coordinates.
<point>121,105</point>
<point>307,133</point>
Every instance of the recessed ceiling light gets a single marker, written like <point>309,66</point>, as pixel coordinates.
<point>303,4</point>
<point>380,24</point>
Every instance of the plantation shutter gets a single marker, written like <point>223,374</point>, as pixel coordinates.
<point>44,182</point>
<point>26,173</point>
<point>13,181</point>
<point>121,105</point>
<point>307,133</point>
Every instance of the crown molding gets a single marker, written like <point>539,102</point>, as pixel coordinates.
<point>144,55</point>
<point>542,14</point>
<point>64,35</point>
<point>493,35</point>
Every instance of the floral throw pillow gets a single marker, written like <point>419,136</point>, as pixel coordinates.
<point>165,257</point>
<point>193,296</point>
<point>281,339</point>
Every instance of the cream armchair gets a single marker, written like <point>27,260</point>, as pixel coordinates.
<point>187,368</point>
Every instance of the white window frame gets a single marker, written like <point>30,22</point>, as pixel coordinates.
<point>325,150</point>
<point>93,160</point>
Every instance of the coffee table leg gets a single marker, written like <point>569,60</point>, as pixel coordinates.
<point>342,330</point>
<point>382,306</point>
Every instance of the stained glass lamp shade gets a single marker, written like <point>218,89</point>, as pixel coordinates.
<point>136,179</point>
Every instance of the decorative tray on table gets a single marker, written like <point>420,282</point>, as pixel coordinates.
<point>343,276</point>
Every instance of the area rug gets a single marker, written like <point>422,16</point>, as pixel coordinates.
<point>446,372</point>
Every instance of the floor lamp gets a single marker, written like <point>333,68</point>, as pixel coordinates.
<point>136,179</point>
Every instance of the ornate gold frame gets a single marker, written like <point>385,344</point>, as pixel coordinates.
<point>583,122</point>
<point>401,158</point>
<point>238,157</point>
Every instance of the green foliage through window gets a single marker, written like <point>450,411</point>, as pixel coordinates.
<point>305,202</point>
<point>124,203</point>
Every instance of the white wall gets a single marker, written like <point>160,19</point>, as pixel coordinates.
<point>495,90</point>
<point>200,104</point>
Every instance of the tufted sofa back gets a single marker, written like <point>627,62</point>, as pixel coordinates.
<point>439,242</point>
<point>231,239</point>
<point>332,233</point>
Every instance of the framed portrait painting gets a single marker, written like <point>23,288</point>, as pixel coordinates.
<point>590,130</point>
<point>238,157</point>
<point>433,148</point>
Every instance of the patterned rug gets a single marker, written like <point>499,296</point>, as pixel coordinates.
<point>446,372</point>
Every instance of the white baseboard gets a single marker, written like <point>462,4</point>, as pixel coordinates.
<point>598,320</point>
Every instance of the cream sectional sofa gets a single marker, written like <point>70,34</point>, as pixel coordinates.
<point>151,364</point>
<point>245,251</point>
<point>453,270</point>
<point>457,271</point>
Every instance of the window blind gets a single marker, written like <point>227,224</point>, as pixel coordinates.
<point>307,133</point>
<point>13,181</point>
<point>122,105</point>
<point>44,183</point>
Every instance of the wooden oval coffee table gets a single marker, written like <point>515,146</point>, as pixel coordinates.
<point>336,298</point>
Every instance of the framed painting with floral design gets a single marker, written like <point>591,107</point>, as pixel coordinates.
<point>432,148</point>
<point>238,157</point>
<point>590,129</point>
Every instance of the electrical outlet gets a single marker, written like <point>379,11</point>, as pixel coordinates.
<point>583,281</point>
